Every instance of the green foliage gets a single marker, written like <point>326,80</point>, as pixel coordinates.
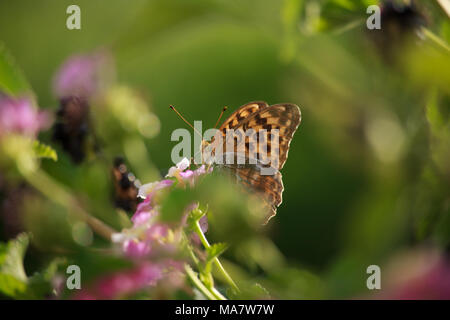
<point>13,279</point>
<point>14,282</point>
<point>215,250</point>
<point>367,176</point>
<point>12,80</point>
<point>44,151</point>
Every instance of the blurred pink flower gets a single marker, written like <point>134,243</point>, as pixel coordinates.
<point>18,115</point>
<point>143,212</point>
<point>136,249</point>
<point>83,75</point>
<point>433,283</point>
<point>417,275</point>
<point>150,239</point>
<point>157,232</point>
<point>184,175</point>
<point>180,167</point>
<point>147,237</point>
<point>123,283</point>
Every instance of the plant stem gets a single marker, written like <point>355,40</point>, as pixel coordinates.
<point>349,26</point>
<point>211,291</point>
<point>200,286</point>
<point>57,193</point>
<point>217,294</point>
<point>216,261</point>
<point>436,39</point>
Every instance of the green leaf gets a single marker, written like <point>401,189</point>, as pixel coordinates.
<point>212,252</point>
<point>216,250</point>
<point>193,276</point>
<point>13,279</point>
<point>11,286</point>
<point>44,151</point>
<point>291,12</point>
<point>39,285</point>
<point>174,204</point>
<point>194,216</point>
<point>12,80</point>
<point>11,257</point>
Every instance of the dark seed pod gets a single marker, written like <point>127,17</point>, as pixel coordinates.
<point>72,126</point>
<point>400,24</point>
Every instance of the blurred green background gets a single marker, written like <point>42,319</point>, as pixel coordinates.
<point>368,170</point>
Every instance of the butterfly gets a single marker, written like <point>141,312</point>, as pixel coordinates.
<point>126,186</point>
<point>254,159</point>
<point>261,118</point>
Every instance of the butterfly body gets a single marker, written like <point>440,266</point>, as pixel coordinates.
<point>253,144</point>
<point>126,186</point>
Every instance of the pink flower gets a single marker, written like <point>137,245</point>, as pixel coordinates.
<point>157,232</point>
<point>421,274</point>
<point>143,212</point>
<point>150,239</point>
<point>431,283</point>
<point>153,240</point>
<point>147,236</point>
<point>180,166</point>
<point>18,115</point>
<point>183,175</point>
<point>204,223</point>
<point>123,283</point>
<point>186,175</point>
<point>136,249</point>
<point>83,75</point>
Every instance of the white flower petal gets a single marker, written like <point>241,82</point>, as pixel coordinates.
<point>183,164</point>
<point>172,172</point>
<point>145,189</point>
<point>118,237</point>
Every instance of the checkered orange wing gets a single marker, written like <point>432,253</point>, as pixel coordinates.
<point>264,121</point>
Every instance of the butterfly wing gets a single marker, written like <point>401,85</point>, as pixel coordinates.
<point>269,186</point>
<point>233,122</point>
<point>125,186</point>
<point>258,116</point>
<point>242,113</point>
<point>282,117</point>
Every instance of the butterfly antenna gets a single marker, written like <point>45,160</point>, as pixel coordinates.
<point>220,117</point>
<point>190,125</point>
